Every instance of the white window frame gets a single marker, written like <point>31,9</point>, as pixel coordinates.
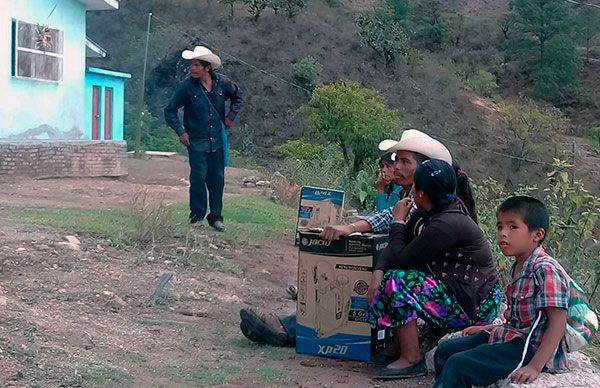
<point>17,49</point>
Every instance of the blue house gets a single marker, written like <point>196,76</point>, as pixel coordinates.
<point>46,91</point>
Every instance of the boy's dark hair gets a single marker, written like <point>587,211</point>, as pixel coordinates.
<point>534,212</point>
<point>388,157</point>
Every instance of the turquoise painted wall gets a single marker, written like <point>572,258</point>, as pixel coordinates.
<point>117,83</point>
<point>27,106</point>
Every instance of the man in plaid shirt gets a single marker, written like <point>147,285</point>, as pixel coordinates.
<point>536,317</point>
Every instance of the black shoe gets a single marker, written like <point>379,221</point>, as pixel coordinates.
<point>386,373</point>
<point>218,226</point>
<point>383,359</point>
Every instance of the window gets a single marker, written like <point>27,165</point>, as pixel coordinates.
<point>37,51</point>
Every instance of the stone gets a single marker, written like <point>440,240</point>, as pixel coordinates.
<point>263,183</point>
<point>71,243</point>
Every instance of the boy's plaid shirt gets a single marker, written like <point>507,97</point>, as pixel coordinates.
<point>542,283</point>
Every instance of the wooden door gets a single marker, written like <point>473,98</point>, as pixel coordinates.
<point>108,114</point>
<point>95,112</point>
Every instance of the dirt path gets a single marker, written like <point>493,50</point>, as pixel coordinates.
<point>80,318</point>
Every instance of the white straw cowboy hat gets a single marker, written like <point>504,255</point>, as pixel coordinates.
<point>203,54</point>
<point>417,141</point>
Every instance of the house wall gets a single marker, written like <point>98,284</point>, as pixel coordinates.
<point>118,86</point>
<point>31,109</point>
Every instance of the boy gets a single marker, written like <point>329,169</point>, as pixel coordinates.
<point>538,291</point>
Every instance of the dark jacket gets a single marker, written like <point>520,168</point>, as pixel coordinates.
<point>199,120</point>
<point>451,246</point>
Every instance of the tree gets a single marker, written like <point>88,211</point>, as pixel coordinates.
<point>293,7</point>
<point>352,116</point>
<point>276,5</point>
<point>230,3</point>
<point>587,29</point>
<point>428,18</point>
<point>556,81</point>
<point>382,33</point>
<point>524,128</point>
<point>400,9</point>
<point>255,7</point>
<point>539,21</point>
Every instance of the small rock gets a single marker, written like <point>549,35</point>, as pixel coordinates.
<point>72,243</point>
<point>3,300</point>
<point>107,293</point>
<point>263,183</point>
<point>250,179</point>
<point>21,249</point>
<point>265,272</point>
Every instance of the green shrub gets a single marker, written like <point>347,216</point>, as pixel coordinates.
<point>574,213</point>
<point>483,82</point>
<point>156,135</point>
<point>300,149</point>
<point>306,71</point>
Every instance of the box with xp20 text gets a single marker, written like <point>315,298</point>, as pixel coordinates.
<point>333,280</point>
<point>318,208</point>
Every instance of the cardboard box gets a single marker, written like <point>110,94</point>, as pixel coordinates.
<point>333,280</point>
<point>318,208</point>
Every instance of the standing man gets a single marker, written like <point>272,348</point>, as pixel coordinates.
<point>204,131</point>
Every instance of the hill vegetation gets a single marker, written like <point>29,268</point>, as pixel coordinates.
<point>454,69</point>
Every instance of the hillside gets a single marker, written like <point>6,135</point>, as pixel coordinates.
<point>427,94</point>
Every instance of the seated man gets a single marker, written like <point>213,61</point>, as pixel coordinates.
<point>413,148</point>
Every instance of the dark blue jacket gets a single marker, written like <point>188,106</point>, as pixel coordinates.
<point>199,120</point>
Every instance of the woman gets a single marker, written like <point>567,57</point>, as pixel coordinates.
<point>388,193</point>
<point>438,267</point>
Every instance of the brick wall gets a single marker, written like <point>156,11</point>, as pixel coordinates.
<point>55,158</point>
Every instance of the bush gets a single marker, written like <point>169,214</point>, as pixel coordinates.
<point>300,149</point>
<point>574,213</point>
<point>156,135</point>
<point>483,82</point>
<point>306,71</point>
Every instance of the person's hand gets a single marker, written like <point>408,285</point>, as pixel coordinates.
<point>334,232</point>
<point>184,138</point>
<point>380,183</point>
<point>471,330</point>
<point>401,209</point>
<point>525,375</point>
<point>376,279</point>
<point>228,122</point>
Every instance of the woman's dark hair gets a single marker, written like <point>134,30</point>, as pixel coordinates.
<point>464,192</point>
<point>438,180</point>
<point>388,157</point>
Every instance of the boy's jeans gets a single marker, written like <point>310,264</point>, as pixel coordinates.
<point>471,360</point>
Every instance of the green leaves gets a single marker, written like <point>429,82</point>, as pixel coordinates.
<point>353,117</point>
<point>380,30</point>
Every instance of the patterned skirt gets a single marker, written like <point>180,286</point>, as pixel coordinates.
<point>405,295</point>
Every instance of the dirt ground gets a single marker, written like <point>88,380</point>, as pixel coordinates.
<point>79,317</point>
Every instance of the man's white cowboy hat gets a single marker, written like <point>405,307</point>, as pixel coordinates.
<point>417,141</point>
<point>203,54</point>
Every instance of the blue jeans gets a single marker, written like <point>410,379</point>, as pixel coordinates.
<point>207,173</point>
